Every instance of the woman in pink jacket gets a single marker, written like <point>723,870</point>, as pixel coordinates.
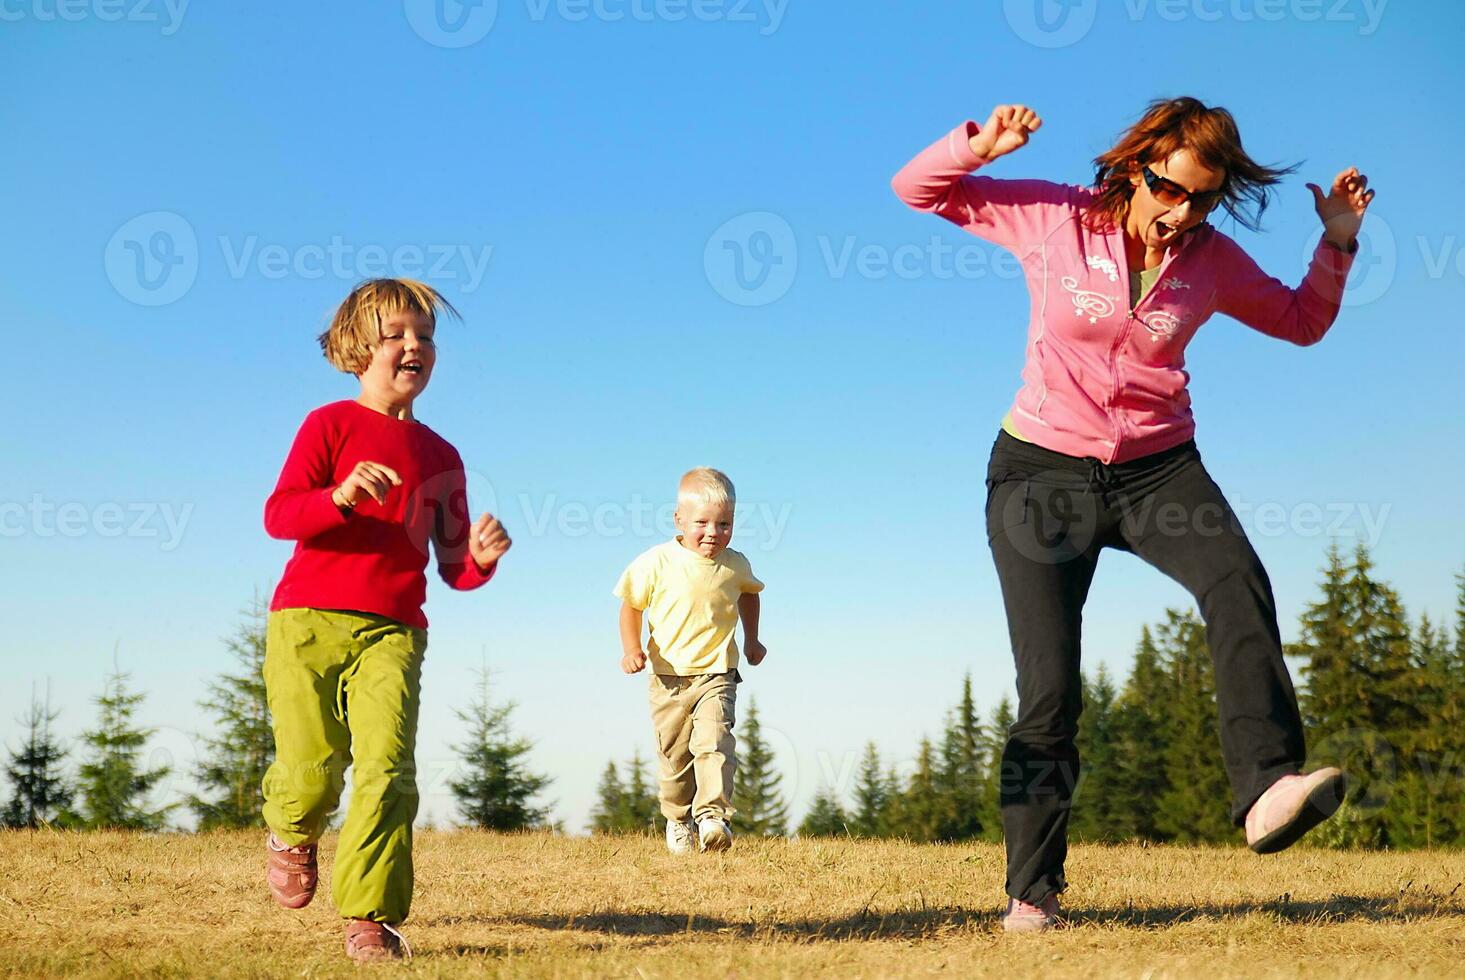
<point>1097,449</point>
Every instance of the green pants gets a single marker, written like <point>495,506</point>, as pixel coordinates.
<point>343,689</point>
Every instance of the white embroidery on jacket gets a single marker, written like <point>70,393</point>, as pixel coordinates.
<point>1086,301</point>
<point>1161,325</point>
<point>1173,283</point>
<point>1104,265</point>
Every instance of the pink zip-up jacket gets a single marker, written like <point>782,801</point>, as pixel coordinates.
<point>1102,379</point>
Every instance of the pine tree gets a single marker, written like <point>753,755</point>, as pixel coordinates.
<point>41,795</point>
<point>642,802</point>
<point>758,806</point>
<point>871,815</point>
<point>242,744</point>
<point>919,812</point>
<point>994,741</point>
<point>826,818</point>
<point>114,785</point>
<point>961,777</point>
<point>1193,807</point>
<point>1142,728</point>
<point>1100,809</point>
<point>1357,702</point>
<point>498,787</point>
<point>1426,806</point>
<point>631,807</point>
<point>609,801</point>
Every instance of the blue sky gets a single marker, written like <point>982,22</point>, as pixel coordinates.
<point>580,179</point>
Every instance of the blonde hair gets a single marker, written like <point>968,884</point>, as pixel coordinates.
<point>706,485</point>
<point>356,329</point>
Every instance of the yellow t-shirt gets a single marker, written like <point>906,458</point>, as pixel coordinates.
<point>691,605</point>
<point>1140,283</point>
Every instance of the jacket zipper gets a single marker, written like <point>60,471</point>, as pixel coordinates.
<point>1170,255</point>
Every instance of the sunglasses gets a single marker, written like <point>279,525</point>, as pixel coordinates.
<point>1172,195</point>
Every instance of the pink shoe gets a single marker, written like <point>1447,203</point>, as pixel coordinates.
<point>292,873</point>
<point>1291,807</point>
<point>1022,917</point>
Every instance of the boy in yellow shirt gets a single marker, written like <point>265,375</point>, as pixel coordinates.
<point>692,591</point>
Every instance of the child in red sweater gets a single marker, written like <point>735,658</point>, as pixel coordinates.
<point>365,489</point>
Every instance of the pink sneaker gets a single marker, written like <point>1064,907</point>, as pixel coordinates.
<point>1291,807</point>
<point>1022,917</point>
<point>292,873</point>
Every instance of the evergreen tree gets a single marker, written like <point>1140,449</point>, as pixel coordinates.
<point>1192,809</point>
<point>758,805</point>
<point>1100,808</point>
<point>1426,806</point>
<point>626,808</point>
<point>1142,732</point>
<point>826,818</point>
<point>1358,700</point>
<point>642,800</point>
<point>920,811</point>
<point>242,744</point>
<point>498,787</point>
<point>1460,617</point>
<point>872,797</point>
<point>961,778</point>
<point>994,741</point>
<point>609,800</point>
<point>41,794</point>
<point>113,783</point>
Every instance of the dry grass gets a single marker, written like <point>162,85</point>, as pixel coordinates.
<point>493,905</point>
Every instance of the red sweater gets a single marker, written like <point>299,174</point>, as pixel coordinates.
<point>372,560</point>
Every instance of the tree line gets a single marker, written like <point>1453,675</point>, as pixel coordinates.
<point>1380,696</point>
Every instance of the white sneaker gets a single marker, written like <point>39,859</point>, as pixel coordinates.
<point>715,834</point>
<point>680,835</point>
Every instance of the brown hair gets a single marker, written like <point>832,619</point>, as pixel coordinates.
<point>1210,134</point>
<point>356,329</point>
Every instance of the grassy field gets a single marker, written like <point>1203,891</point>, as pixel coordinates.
<point>535,905</point>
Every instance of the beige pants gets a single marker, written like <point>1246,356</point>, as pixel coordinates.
<point>693,718</point>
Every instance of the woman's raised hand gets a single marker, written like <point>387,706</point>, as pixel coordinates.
<point>1005,130</point>
<point>1342,209</point>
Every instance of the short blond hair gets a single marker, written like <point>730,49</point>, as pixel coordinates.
<point>706,485</point>
<point>356,329</point>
